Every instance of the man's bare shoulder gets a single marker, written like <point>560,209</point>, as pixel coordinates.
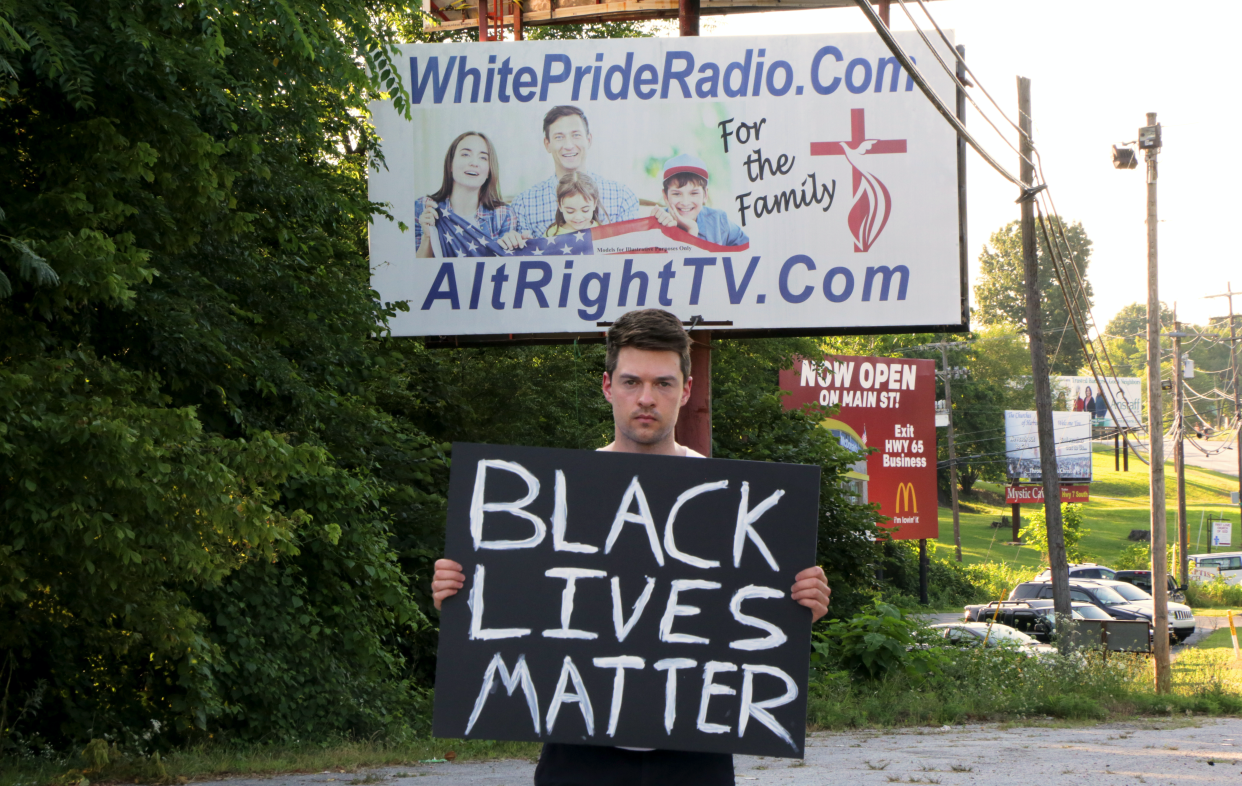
<point>682,450</point>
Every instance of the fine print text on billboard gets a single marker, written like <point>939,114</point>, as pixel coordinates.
<point>1071,433</point>
<point>762,183</point>
<point>889,405</point>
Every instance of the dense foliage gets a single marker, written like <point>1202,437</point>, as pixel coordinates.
<point>196,484</point>
<point>220,488</point>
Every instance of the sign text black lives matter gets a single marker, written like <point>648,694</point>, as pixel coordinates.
<point>630,600</point>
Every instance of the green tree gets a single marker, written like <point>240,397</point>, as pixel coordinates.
<point>197,487</point>
<point>1000,294</point>
<point>1035,531</point>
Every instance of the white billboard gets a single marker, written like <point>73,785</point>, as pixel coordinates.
<point>798,183</point>
<point>1120,403</point>
<point>1071,432</point>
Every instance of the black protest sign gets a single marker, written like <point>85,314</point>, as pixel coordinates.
<point>626,599</point>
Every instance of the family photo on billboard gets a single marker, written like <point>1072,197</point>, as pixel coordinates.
<point>468,215</point>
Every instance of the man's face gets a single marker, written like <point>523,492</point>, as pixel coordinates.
<point>568,142</point>
<point>646,391</point>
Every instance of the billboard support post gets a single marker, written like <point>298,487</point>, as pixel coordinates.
<point>1016,520</point>
<point>694,422</point>
<point>1039,367</point>
<point>688,17</point>
<point>924,569</point>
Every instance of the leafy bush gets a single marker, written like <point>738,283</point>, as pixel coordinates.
<point>1035,531</point>
<point>1214,594</point>
<point>876,643</point>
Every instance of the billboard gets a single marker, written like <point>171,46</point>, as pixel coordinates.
<point>1071,432</point>
<point>888,405</point>
<point>794,183</point>
<point>1121,404</point>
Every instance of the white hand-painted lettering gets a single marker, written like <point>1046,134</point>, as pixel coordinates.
<point>478,507</point>
<point>746,517</point>
<point>571,576</point>
<point>670,545</point>
<point>710,688</point>
<point>673,610</point>
<point>475,602</point>
<point>671,665</point>
<point>759,709</point>
<point>519,676</point>
<point>560,512</point>
<point>622,626</point>
<point>775,638</point>
<point>570,672</point>
<point>620,663</point>
<point>635,494</point>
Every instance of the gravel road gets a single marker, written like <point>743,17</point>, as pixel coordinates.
<point>1179,751</point>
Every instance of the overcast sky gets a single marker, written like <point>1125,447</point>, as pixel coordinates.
<point>1096,69</point>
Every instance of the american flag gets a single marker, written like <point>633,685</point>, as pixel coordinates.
<point>459,238</point>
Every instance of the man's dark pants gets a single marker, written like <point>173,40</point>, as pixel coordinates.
<point>592,765</point>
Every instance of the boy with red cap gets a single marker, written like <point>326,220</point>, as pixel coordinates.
<point>685,193</point>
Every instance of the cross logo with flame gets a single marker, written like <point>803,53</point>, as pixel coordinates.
<point>872,203</point>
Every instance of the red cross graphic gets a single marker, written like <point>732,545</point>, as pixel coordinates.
<point>858,131</point>
<point>870,212</point>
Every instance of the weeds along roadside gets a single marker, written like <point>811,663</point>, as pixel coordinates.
<point>877,670</point>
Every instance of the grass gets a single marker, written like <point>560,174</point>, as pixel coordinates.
<point>1119,503</point>
<point>217,761</point>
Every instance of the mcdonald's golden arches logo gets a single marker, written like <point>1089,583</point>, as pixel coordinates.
<point>906,499</point>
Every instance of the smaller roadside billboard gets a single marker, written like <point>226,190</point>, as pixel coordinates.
<point>1034,495</point>
<point>1118,404</point>
<point>1071,432</point>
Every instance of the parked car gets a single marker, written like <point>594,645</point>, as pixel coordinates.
<point>1095,592</point>
<point>1081,570</point>
<point>1180,615</point>
<point>1142,580</point>
<point>1228,562</point>
<point>975,634</point>
<point>1035,617</point>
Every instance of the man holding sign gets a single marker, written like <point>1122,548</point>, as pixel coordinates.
<point>647,382</point>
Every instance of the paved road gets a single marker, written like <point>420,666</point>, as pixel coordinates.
<point>1177,751</point>
<point>1225,461</point>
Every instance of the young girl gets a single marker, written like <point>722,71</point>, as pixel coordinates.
<point>579,205</point>
<point>471,189</point>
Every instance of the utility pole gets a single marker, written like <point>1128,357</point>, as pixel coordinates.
<point>1233,364</point>
<point>948,403</point>
<point>1039,367</point>
<point>1149,142</point>
<point>1179,450</point>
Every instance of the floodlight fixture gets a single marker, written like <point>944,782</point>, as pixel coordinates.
<point>1124,158</point>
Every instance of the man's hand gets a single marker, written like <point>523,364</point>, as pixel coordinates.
<point>810,589</point>
<point>448,579</point>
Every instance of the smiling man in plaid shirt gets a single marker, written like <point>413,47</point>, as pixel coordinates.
<point>567,137</point>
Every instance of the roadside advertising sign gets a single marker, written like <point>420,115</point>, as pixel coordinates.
<point>1222,533</point>
<point>1034,495</point>
<point>627,599</point>
<point>888,404</point>
<point>1120,404</point>
<point>1071,432</point>
<point>798,184</point>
